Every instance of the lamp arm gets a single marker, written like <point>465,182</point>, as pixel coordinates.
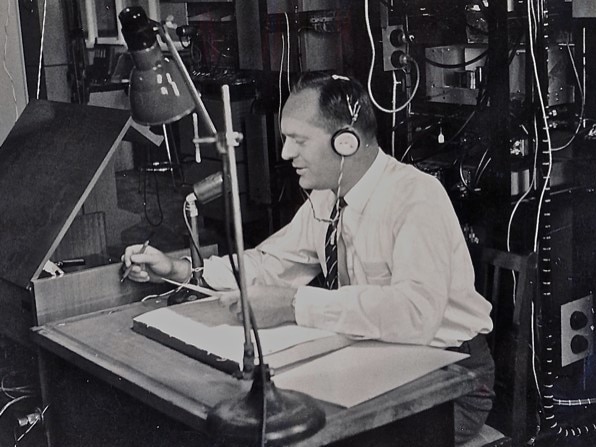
<point>196,97</point>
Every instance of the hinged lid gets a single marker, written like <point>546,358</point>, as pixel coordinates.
<point>49,163</point>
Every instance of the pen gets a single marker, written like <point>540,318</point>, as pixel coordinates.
<point>70,262</point>
<point>127,271</point>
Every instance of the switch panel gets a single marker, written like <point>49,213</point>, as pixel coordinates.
<point>577,330</point>
<point>395,42</point>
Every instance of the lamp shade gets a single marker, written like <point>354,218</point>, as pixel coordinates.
<point>157,92</point>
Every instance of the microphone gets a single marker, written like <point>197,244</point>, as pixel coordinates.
<point>205,191</point>
<point>209,189</point>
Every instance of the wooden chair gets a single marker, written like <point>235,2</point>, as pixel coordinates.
<point>509,343</point>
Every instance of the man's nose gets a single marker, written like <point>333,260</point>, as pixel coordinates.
<point>288,151</point>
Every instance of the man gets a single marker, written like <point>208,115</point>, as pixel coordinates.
<point>403,271</point>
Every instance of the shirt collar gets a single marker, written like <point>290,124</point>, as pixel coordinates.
<point>359,194</point>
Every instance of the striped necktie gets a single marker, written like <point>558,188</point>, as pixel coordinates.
<point>331,279</point>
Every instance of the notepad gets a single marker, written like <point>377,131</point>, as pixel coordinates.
<point>206,332</point>
<point>364,370</point>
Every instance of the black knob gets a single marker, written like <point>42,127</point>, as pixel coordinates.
<point>579,343</point>
<point>399,59</point>
<point>397,37</point>
<point>578,320</point>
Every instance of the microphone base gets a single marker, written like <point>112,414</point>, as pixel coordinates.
<point>291,416</point>
<point>184,296</point>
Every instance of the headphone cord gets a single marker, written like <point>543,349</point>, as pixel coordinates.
<point>337,197</point>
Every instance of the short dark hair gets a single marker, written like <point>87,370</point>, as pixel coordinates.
<point>334,91</point>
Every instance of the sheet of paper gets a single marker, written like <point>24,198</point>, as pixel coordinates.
<point>224,340</point>
<point>364,370</point>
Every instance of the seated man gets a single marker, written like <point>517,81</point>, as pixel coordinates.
<point>396,263</point>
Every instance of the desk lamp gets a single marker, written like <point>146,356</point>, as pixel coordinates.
<point>162,92</point>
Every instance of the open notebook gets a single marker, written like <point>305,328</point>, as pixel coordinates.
<point>205,331</point>
<point>339,370</point>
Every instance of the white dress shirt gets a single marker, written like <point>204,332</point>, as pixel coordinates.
<point>410,274</point>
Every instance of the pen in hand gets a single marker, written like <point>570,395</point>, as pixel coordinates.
<point>129,268</point>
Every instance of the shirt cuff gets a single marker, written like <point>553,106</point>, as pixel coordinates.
<point>311,304</point>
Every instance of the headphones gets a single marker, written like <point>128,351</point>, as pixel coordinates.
<point>345,141</point>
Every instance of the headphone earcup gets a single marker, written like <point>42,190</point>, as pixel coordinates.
<point>345,142</point>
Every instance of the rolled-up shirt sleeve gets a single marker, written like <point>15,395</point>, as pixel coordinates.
<point>286,258</point>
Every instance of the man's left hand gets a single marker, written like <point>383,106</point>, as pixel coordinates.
<point>271,305</point>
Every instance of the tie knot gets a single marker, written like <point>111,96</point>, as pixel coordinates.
<point>337,208</point>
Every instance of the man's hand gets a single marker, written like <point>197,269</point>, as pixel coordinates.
<point>271,305</point>
<point>152,265</point>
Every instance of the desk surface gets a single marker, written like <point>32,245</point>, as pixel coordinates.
<point>103,344</point>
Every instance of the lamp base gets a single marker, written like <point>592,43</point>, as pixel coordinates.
<point>291,416</point>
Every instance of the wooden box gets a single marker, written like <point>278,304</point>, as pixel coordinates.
<point>49,164</point>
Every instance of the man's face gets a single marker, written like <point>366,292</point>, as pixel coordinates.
<point>306,144</point>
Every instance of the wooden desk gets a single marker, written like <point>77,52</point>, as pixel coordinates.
<point>103,344</point>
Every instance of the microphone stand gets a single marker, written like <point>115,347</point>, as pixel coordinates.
<point>290,415</point>
<point>195,256</point>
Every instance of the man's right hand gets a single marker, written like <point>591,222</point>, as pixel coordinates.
<point>152,265</point>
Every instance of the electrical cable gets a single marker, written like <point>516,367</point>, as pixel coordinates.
<point>461,176</point>
<point>547,400</point>
<point>534,333</point>
<point>289,46</point>
<point>164,294</point>
<point>478,168</point>
<point>532,35</point>
<point>337,197</point>
<point>508,242</point>
<point>583,103</point>
<point>14,92</point>
<point>279,84</point>
<point>25,389</point>
<point>43,32</point>
<point>479,174</point>
<point>394,114</point>
<point>196,55</point>
<point>145,209</point>
<point>185,208</point>
<point>580,402</point>
<point>411,60</point>
<point>414,141</point>
<point>458,65</point>
<point>253,322</point>
<point>546,128</point>
<point>12,402</point>
<point>520,200</point>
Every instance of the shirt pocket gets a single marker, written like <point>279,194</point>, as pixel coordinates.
<point>376,272</point>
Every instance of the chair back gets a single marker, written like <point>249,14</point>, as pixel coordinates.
<point>510,340</point>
